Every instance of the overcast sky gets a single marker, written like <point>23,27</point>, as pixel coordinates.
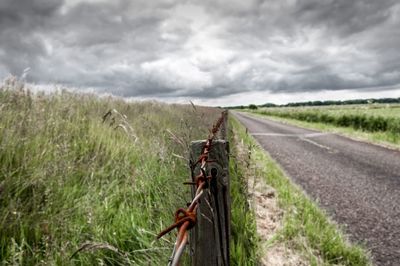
<point>211,51</point>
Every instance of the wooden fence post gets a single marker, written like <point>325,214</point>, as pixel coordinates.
<point>209,239</point>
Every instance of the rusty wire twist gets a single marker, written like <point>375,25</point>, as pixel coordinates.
<point>185,219</point>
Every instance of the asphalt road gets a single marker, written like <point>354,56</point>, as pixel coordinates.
<point>356,182</point>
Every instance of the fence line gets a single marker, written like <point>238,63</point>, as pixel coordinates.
<point>186,219</point>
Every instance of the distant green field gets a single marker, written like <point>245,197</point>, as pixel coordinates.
<point>383,110</point>
<point>382,118</point>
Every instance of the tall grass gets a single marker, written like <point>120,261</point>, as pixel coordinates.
<point>245,241</point>
<point>68,180</point>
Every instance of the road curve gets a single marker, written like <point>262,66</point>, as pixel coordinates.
<point>356,182</point>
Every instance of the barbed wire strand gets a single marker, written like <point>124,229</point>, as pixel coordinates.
<point>186,219</point>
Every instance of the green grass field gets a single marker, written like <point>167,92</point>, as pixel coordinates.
<point>69,180</point>
<point>383,110</point>
<point>375,122</point>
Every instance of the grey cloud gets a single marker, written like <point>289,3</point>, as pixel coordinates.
<point>87,25</point>
<point>203,49</point>
<point>26,14</point>
<point>345,17</point>
<point>19,23</point>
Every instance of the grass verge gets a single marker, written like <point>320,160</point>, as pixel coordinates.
<point>306,228</point>
<point>244,245</point>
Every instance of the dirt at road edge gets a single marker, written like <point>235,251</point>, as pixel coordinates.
<point>269,216</point>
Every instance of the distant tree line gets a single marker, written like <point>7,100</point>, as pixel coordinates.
<point>319,103</point>
<point>356,101</point>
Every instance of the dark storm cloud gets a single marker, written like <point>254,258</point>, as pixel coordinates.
<point>345,17</point>
<point>20,46</point>
<point>203,49</point>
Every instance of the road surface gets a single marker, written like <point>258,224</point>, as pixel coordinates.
<point>356,182</point>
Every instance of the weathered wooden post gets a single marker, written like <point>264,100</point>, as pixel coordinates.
<point>209,241</point>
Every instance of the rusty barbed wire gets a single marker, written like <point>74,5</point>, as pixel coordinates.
<point>185,219</point>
